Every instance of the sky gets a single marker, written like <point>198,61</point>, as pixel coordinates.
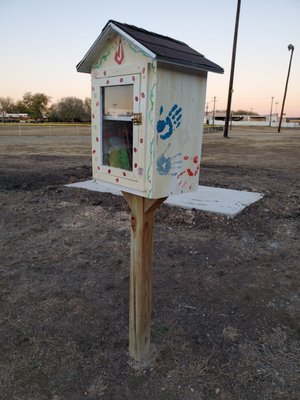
<point>42,41</point>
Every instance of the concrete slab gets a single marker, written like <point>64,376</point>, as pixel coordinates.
<point>210,199</point>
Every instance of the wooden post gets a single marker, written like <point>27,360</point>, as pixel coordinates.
<point>140,298</point>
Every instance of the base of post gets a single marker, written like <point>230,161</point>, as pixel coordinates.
<point>140,298</point>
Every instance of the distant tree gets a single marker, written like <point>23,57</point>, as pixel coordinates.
<point>244,112</point>
<point>71,109</point>
<point>238,112</point>
<point>6,106</point>
<point>220,111</point>
<point>34,104</point>
<point>20,107</point>
<point>53,113</point>
<point>68,109</point>
<point>87,108</point>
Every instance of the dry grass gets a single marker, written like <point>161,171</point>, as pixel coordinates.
<point>225,290</point>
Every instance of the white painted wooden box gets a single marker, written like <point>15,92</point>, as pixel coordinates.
<point>148,95</point>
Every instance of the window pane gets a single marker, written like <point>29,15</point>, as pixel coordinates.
<point>118,101</point>
<point>117,144</point>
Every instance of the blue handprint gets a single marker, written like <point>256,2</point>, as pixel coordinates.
<point>166,127</point>
<point>168,165</point>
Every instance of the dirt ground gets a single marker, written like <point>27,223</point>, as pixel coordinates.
<point>225,321</point>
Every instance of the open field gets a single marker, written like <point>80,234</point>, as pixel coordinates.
<point>225,292</point>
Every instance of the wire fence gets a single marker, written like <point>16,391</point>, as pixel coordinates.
<point>62,130</point>
<point>45,130</point>
<point>210,129</point>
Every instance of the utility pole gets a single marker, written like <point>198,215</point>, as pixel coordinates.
<point>214,113</point>
<point>230,90</point>
<point>270,122</point>
<point>290,47</point>
<point>207,108</point>
<point>207,119</point>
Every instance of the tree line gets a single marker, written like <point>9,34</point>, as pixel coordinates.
<point>238,112</point>
<point>68,109</point>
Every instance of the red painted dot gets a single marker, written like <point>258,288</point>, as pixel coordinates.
<point>190,172</point>
<point>135,149</point>
<point>142,95</point>
<point>186,158</point>
<point>133,78</point>
<point>196,159</point>
<point>117,179</point>
<point>135,165</point>
<point>121,79</point>
<point>98,168</point>
<point>141,140</point>
<point>94,151</point>
<point>124,173</point>
<point>97,139</point>
<point>109,171</point>
<point>136,98</point>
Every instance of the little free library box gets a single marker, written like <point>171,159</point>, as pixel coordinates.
<point>148,94</point>
<point>148,97</point>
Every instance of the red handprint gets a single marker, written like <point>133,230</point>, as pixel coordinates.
<point>189,171</point>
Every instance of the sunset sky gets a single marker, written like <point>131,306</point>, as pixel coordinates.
<point>42,41</point>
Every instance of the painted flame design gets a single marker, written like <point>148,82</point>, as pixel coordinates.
<point>119,55</point>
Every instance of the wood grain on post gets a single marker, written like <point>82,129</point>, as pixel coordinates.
<point>142,217</point>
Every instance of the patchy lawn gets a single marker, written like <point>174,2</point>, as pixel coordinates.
<point>225,321</point>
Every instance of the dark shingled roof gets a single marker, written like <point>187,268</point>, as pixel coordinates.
<point>168,49</point>
<point>164,48</point>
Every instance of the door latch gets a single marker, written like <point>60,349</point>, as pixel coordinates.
<point>136,118</point>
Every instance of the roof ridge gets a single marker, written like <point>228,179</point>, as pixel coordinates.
<point>120,24</point>
<point>182,51</point>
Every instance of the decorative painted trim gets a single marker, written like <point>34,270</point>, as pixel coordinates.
<point>104,58</point>
<point>147,52</point>
<point>150,113</point>
<point>150,165</point>
<point>135,49</point>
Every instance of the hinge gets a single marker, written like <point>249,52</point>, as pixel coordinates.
<point>136,118</point>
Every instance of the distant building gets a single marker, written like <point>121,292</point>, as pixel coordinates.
<point>19,117</point>
<point>218,118</point>
<point>9,117</point>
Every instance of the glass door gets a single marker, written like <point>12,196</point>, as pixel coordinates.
<point>117,126</point>
<point>120,127</point>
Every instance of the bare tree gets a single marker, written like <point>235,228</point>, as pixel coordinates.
<point>6,106</point>
<point>71,109</point>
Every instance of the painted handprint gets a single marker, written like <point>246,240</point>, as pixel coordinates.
<point>168,165</point>
<point>187,173</point>
<point>166,127</point>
